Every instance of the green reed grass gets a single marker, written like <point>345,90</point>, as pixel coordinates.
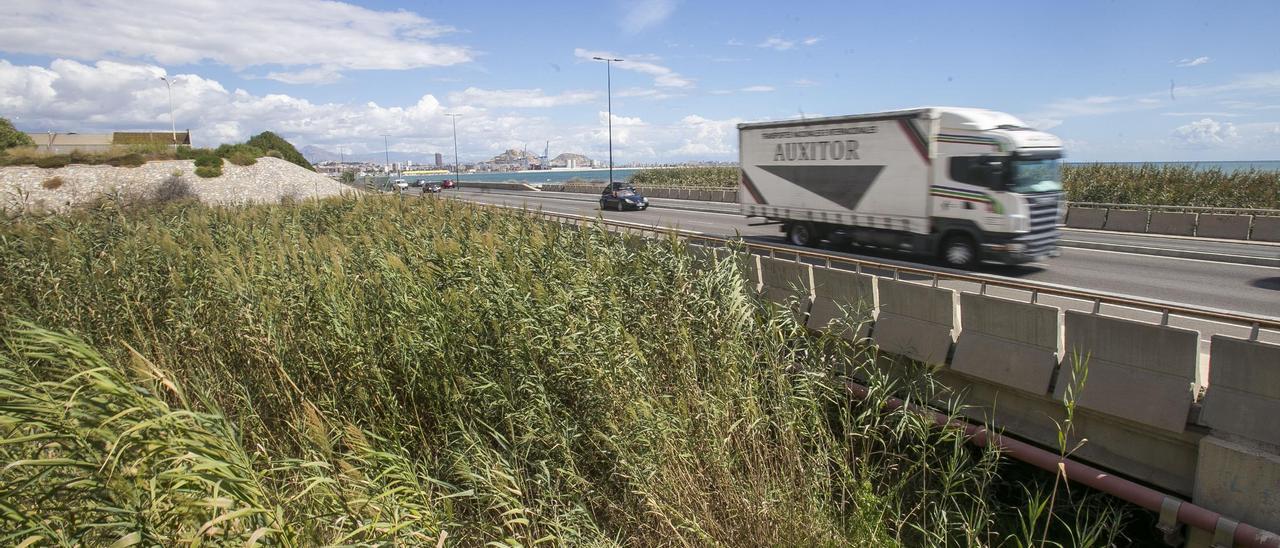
<point>1145,184</point>
<point>387,371</point>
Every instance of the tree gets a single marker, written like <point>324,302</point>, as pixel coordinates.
<point>10,137</point>
<point>269,141</point>
<point>348,177</point>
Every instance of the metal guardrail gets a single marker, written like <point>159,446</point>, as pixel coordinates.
<point>1036,289</point>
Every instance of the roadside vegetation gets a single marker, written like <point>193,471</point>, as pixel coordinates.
<point>1144,184</point>
<point>15,151</point>
<point>1149,184</point>
<point>378,371</point>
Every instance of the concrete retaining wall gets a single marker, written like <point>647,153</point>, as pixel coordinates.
<point>1175,224</point>
<point>1086,217</point>
<point>786,283</point>
<point>1243,396</point>
<point>1126,220</point>
<point>1137,371</point>
<point>1266,229</point>
<point>1132,409</point>
<point>1234,227</point>
<point>844,297</point>
<point>915,320</point>
<point>1007,342</point>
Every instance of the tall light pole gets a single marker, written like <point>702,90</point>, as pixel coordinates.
<point>608,72</point>
<point>455,148</point>
<point>173,126</point>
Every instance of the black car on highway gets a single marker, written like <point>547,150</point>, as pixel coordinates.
<point>432,187</point>
<point>622,197</point>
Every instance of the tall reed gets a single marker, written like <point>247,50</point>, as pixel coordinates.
<point>386,371</point>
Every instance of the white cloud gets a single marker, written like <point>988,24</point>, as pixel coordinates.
<point>327,36</point>
<point>734,42</point>
<point>645,93</point>
<point>803,83</point>
<point>1206,132</point>
<point>646,13</point>
<point>782,44</point>
<point>105,96</point>
<point>1211,114</point>
<point>315,75</point>
<point>518,98</point>
<point>644,64</point>
<point>774,42</point>
<point>704,137</point>
<point>757,89</point>
<point>1193,62</point>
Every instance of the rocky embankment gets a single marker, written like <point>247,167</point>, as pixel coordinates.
<point>270,180</point>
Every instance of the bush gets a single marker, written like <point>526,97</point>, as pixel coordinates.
<point>209,160</point>
<point>697,177</point>
<point>275,154</point>
<point>52,183</point>
<point>53,161</point>
<point>173,189</point>
<point>10,136</point>
<point>132,159</point>
<point>270,141</point>
<point>209,172</point>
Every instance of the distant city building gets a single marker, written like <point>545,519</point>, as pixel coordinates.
<point>439,160</point>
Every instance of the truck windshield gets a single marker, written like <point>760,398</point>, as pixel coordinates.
<point>1026,176</point>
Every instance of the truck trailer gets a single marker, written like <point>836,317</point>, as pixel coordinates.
<point>963,184</point>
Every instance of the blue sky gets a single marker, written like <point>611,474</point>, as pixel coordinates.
<point>1119,81</point>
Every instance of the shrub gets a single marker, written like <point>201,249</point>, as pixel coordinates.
<point>275,154</point>
<point>209,172</point>
<point>208,160</point>
<point>270,141</point>
<point>699,177</point>
<point>132,159</point>
<point>10,136</point>
<point>53,161</point>
<point>173,189</point>
<point>52,183</point>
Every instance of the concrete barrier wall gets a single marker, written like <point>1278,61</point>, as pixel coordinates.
<point>1133,408</point>
<point>1243,396</point>
<point>1266,229</point>
<point>1007,342</point>
<point>1239,480</point>
<point>844,297</point>
<point>915,320</point>
<point>1174,224</point>
<point>1234,227</point>
<point>1126,220</point>
<point>1086,217</point>
<point>1141,372</point>
<point>786,283</point>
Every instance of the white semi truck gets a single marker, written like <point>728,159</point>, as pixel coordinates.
<point>963,184</point>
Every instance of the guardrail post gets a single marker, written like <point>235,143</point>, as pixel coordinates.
<point>1253,332</point>
<point>1097,305</point>
<point>1035,296</point>
<point>1164,316</point>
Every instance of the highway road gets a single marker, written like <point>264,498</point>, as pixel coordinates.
<point>1236,287</point>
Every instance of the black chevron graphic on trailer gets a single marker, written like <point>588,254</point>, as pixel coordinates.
<point>844,185</point>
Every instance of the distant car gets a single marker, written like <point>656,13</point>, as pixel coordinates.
<point>417,183</point>
<point>401,184</point>
<point>448,183</point>
<point>623,198</point>
<point>432,187</point>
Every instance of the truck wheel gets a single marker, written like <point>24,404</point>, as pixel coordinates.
<point>801,234</point>
<point>959,251</point>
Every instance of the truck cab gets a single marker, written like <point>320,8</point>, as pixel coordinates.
<point>997,189</point>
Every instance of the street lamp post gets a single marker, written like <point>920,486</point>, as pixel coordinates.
<point>173,125</point>
<point>386,156</point>
<point>608,71</point>
<point>455,149</point>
